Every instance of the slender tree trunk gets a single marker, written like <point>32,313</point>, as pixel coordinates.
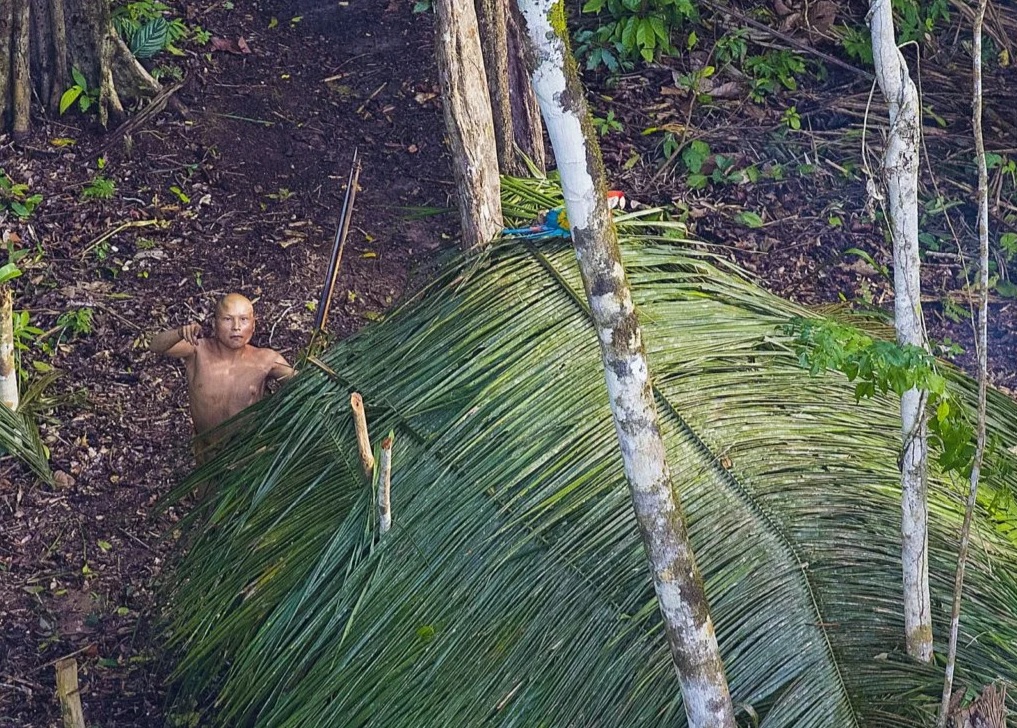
<point>527,126</point>
<point>467,107</point>
<point>900,174</point>
<point>8,370</point>
<point>494,43</point>
<point>6,46</point>
<point>981,346</point>
<point>41,40</point>
<point>21,80</point>
<point>676,578</point>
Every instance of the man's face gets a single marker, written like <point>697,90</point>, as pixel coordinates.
<point>234,323</point>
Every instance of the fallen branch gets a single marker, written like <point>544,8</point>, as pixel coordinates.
<point>155,106</point>
<point>981,347</point>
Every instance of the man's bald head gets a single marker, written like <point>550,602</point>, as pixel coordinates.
<point>231,300</point>
<point>234,321</point>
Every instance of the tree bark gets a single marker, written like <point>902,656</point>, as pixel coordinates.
<point>6,46</point>
<point>900,174</point>
<point>61,73</point>
<point>676,578</point>
<point>20,78</point>
<point>493,29</point>
<point>8,369</point>
<point>41,40</point>
<point>468,121</point>
<point>527,126</point>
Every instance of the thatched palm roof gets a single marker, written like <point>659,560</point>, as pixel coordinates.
<point>512,590</point>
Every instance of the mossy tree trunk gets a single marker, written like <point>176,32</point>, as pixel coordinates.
<point>42,40</point>
<point>679,587</point>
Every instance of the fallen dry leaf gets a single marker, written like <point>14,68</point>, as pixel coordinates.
<point>822,15</point>
<point>422,98</point>
<point>237,47</point>
<point>63,480</point>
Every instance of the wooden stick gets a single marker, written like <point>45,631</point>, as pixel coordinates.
<point>363,440</point>
<point>325,301</point>
<point>67,693</point>
<point>385,486</point>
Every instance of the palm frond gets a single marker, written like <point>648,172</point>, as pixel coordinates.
<point>19,437</point>
<point>512,589</point>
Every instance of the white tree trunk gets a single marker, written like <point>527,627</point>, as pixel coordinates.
<point>676,578</point>
<point>8,370</point>
<point>900,174</point>
<point>467,106</point>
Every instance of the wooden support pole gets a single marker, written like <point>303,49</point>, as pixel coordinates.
<point>363,440</point>
<point>8,368</point>
<point>67,693</point>
<point>385,486</point>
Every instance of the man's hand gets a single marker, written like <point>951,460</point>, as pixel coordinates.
<point>180,342</point>
<point>190,333</point>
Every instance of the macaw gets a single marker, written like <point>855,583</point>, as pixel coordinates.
<point>555,223</point>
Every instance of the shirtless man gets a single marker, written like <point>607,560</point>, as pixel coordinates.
<point>225,373</point>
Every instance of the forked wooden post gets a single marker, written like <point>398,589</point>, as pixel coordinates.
<point>385,485</point>
<point>67,693</point>
<point>8,369</point>
<point>363,440</point>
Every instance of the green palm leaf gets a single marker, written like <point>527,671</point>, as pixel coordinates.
<point>512,590</point>
<point>20,437</point>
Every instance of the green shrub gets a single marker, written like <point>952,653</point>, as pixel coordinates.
<point>633,29</point>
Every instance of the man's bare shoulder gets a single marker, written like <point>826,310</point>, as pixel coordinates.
<point>263,352</point>
<point>273,362</point>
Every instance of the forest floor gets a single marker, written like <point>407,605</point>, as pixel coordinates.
<point>244,192</point>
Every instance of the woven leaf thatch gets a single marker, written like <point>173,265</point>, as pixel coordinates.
<point>512,590</point>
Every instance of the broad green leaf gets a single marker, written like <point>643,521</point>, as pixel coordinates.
<point>150,38</point>
<point>68,97</point>
<point>79,78</point>
<point>660,30</point>
<point>749,219</point>
<point>628,37</point>
<point>9,271</point>
<point>645,36</point>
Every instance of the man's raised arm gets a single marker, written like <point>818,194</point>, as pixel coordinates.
<point>179,342</point>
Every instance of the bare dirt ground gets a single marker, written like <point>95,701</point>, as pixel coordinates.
<point>259,168</point>
<point>243,193</point>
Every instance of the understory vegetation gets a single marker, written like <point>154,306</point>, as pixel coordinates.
<point>766,66</point>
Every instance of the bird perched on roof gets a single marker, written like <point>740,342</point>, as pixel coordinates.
<point>555,223</point>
